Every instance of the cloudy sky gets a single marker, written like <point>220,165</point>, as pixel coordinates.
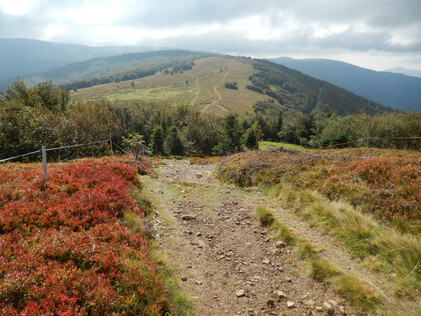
<point>376,34</point>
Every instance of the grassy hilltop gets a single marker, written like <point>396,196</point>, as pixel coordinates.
<point>222,84</point>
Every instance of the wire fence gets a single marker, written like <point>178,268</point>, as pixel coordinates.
<point>44,151</point>
<point>122,150</point>
<point>20,156</point>
<point>56,148</point>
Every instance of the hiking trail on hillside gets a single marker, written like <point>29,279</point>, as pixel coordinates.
<point>225,260</point>
<point>223,257</point>
<point>219,97</point>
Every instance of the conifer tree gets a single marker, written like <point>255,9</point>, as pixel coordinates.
<point>173,144</point>
<point>231,138</point>
<point>157,141</point>
<point>252,136</point>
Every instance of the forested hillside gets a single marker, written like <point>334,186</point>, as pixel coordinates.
<point>20,57</point>
<point>298,92</point>
<point>395,90</point>
<point>109,69</point>
<point>46,115</point>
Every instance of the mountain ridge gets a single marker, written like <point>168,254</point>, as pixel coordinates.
<point>390,89</point>
<point>405,71</point>
<point>101,67</point>
<point>25,56</point>
<point>240,85</point>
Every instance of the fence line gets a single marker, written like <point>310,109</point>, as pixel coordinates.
<point>15,157</point>
<point>55,148</point>
<point>44,150</point>
<point>114,144</point>
<point>78,145</point>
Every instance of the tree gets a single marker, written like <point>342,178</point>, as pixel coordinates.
<point>305,128</point>
<point>44,95</point>
<point>252,136</point>
<point>231,138</point>
<point>157,141</point>
<point>173,144</point>
<point>279,122</point>
<point>135,144</point>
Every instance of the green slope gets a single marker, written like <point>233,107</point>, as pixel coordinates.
<point>261,86</point>
<point>113,68</point>
<point>21,57</point>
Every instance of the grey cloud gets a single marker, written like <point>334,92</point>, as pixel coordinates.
<point>169,13</point>
<point>371,24</point>
<point>18,26</point>
<point>392,13</point>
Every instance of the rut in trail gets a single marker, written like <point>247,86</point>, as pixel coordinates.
<point>221,255</point>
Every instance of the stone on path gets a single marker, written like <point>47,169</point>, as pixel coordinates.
<point>240,293</point>
<point>280,294</point>
<point>188,217</point>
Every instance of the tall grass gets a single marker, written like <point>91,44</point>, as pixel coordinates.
<point>382,248</point>
<point>348,286</point>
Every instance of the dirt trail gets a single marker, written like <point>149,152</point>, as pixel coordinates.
<point>214,103</point>
<point>222,256</point>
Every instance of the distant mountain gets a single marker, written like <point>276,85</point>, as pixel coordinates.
<point>107,69</point>
<point>404,71</point>
<point>395,90</point>
<point>19,57</point>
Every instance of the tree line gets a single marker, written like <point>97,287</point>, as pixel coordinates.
<point>46,115</point>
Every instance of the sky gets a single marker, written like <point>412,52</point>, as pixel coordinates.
<point>376,34</point>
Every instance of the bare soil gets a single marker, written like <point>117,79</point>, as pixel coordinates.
<point>223,258</point>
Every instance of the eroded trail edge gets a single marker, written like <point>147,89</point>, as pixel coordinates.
<point>221,255</point>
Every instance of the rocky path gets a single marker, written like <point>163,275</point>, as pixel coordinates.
<point>222,256</point>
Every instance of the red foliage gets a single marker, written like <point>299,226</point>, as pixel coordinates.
<point>63,249</point>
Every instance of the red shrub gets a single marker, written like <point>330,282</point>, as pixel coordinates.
<point>63,249</point>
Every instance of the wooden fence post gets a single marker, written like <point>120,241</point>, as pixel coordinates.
<point>111,145</point>
<point>44,162</point>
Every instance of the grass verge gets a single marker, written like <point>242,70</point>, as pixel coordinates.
<point>179,301</point>
<point>267,144</point>
<point>382,249</point>
<point>348,286</point>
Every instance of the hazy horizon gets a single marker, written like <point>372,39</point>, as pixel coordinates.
<point>377,35</point>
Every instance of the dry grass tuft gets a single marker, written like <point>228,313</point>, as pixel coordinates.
<point>265,216</point>
<point>322,270</point>
<point>307,250</point>
<point>353,289</point>
<point>349,286</point>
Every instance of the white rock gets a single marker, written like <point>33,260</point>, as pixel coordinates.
<point>280,244</point>
<point>240,293</point>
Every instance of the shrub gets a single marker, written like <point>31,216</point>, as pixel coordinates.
<point>255,89</point>
<point>63,249</point>
<point>231,85</point>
